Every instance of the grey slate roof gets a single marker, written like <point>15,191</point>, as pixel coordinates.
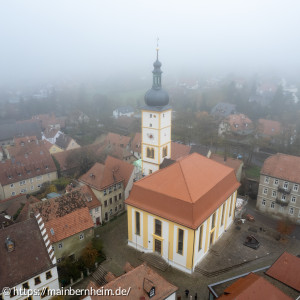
<point>223,109</point>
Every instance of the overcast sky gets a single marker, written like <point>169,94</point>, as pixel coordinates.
<point>63,39</point>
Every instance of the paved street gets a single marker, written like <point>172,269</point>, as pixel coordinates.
<point>228,251</point>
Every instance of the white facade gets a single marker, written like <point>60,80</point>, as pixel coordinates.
<point>47,283</point>
<point>156,139</point>
<point>53,139</point>
<point>169,243</point>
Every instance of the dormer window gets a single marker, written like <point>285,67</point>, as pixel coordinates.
<point>46,167</point>
<point>9,177</point>
<point>19,174</point>
<point>52,231</point>
<point>149,287</point>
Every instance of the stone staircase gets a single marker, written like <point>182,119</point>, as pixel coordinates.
<point>155,260</point>
<point>99,276</point>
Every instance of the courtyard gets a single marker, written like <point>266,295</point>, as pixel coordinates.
<point>227,257</point>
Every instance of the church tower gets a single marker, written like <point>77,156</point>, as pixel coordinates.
<point>156,124</point>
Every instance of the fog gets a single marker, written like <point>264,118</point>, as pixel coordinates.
<point>57,40</point>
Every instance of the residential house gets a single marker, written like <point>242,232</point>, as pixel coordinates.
<point>65,142</point>
<point>280,281</point>
<point>223,110</point>
<point>181,210</point>
<point>127,111</point>
<point>237,124</point>
<point>286,269</point>
<point>251,286</point>
<point>21,141</point>
<point>51,134</point>
<point>141,282</point>
<point>111,182</point>
<point>26,171</point>
<point>27,261</point>
<point>269,130</point>
<point>117,140</point>
<point>91,201</point>
<point>135,145</point>
<point>52,148</point>
<point>279,187</point>
<point>68,223</point>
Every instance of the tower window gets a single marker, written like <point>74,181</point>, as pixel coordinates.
<point>150,125</point>
<point>150,152</point>
<point>150,115</point>
<point>165,151</point>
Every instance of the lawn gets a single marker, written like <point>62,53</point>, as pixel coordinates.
<point>253,172</point>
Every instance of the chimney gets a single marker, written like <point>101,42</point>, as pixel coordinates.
<point>10,245</point>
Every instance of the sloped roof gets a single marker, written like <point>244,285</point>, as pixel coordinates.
<point>50,133</point>
<point>11,205</point>
<point>282,166</point>
<point>229,162</point>
<point>117,139</point>
<point>187,192</point>
<point>136,142</point>
<point>239,122</point>
<point>269,127</point>
<point>28,259</point>
<point>69,224</point>
<point>135,279</point>
<point>20,141</point>
<point>286,269</point>
<point>35,162</point>
<point>179,150</point>
<point>63,141</point>
<point>255,287</point>
<point>223,109</point>
<point>113,171</point>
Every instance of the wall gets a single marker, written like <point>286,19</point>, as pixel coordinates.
<point>30,186</point>
<point>73,245</point>
<point>51,283</point>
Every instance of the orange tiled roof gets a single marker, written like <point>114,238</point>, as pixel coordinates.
<point>286,269</point>
<point>135,280</point>
<point>255,287</point>
<point>239,122</point>
<point>113,171</point>
<point>183,192</point>
<point>282,166</point>
<point>116,139</point>
<point>269,127</point>
<point>230,162</point>
<point>89,196</point>
<point>26,164</point>
<point>179,150</point>
<point>68,225</point>
<point>20,141</point>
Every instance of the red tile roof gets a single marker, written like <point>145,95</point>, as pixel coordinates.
<point>286,269</point>
<point>282,166</point>
<point>116,139</point>
<point>269,127</point>
<point>26,164</point>
<point>183,191</point>
<point>89,197</point>
<point>113,171</point>
<point>50,133</point>
<point>20,141</point>
<point>136,280</point>
<point>68,225</point>
<point>239,122</point>
<point>179,150</point>
<point>255,287</point>
<point>136,142</point>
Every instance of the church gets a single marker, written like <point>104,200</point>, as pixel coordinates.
<point>183,209</point>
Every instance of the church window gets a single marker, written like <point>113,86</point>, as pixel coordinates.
<point>165,151</point>
<point>150,125</point>
<point>223,212</point>
<point>150,152</point>
<point>200,238</point>
<point>137,223</point>
<point>150,115</point>
<point>180,241</point>
<point>158,227</point>
<point>213,221</point>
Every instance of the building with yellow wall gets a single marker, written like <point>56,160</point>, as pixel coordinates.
<point>180,211</point>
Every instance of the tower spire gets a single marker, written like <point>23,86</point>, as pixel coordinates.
<point>157,49</point>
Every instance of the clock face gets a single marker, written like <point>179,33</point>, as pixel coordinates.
<point>150,136</point>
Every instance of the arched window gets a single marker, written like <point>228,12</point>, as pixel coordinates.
<point>150,152</point>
